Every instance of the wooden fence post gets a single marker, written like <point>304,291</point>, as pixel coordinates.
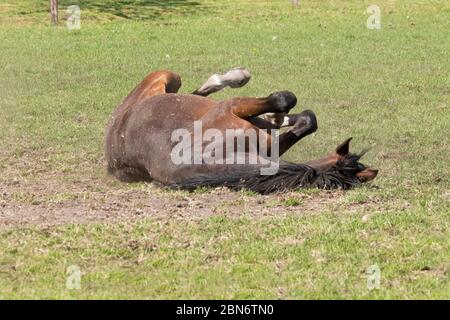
<point>54,11</point>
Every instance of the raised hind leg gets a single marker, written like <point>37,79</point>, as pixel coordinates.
<point>235,78</point>
<point>156,83</point>
<point>159,82</point>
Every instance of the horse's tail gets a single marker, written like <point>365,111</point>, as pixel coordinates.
<point>290,176</point>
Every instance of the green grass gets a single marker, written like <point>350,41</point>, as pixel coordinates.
<point>388,88</point>
<point>325,256</point>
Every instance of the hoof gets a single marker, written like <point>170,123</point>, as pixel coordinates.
<point>283,101</point>
<point>234,78</point>
<point>237,77</point>
<point>305,124</point>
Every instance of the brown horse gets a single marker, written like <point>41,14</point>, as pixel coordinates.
<point>144,134</point>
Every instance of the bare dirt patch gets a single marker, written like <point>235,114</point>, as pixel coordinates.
<point>52,202</point>
<point>34,194</point>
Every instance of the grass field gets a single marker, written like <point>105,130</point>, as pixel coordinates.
<point>388,88</point>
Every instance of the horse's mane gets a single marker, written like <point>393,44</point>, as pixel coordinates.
<point>290,176</point>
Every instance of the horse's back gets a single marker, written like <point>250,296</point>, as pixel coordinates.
<point>170,111</point>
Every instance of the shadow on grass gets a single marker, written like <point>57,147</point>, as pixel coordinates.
<point>126,9</point>
<point>141,9</point>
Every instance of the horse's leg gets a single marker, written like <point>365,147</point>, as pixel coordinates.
<point>234,78</point>
<point>274,120</point>
<point>156,83</point>
<point>305,123</point>
<point>262,123</point>
<point>159,82</point>
<point>247,108</point>
<point>277,119</point>
<point>280,120</point>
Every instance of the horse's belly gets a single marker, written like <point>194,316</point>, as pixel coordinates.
<point>150,127</point>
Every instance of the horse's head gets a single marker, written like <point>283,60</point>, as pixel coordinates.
<point>346,163</point>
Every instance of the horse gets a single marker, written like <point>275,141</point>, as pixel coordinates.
<point>144,131</point>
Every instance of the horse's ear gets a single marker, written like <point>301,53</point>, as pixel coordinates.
<point>344,148</point>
